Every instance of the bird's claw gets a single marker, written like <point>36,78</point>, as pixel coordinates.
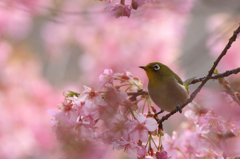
<point>178,108</point>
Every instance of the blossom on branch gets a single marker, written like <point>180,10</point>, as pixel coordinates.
<point>119,10</point>
<point>162,155</point>
<point>106,77</point>
<point>138,129</point>
<point>132,149</point>
<point>80,113</point>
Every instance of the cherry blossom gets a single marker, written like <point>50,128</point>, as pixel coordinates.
<point>118,125</point>
<point>106,77</point>
<point>174,145</point>
<point>195,112</point>
<point>162,155</point>
<point>132,149</point>
<point>119,10</point>
<point>205,145</point>
<point>90,111</point>
<point>114,96</point>
<point>138,129</point>
<point>123,76</point>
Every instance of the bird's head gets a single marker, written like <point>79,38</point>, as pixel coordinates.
<point>158,72</point>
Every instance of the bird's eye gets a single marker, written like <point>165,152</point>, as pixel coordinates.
<point>156,67</point>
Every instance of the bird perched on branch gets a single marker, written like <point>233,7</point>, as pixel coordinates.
<point>166,88</point>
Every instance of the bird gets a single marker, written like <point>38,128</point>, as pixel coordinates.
<point>165,87</point>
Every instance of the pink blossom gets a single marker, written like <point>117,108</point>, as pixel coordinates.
<point>88,94</point>
<point>138,129</point>
<point>195,112</point>
<point>200,145</point>
<point>162,155</point>
<point>132,149</point>
<point>119,10</point>
<point>230,147</point>
<point>63,123</point>
<point>217,124</point>
<point>108,137</point>
<point>66,105</point>
<point>66,125</point>
<point>223,105</point>
<point>114,96</point>
<point>173,145</point>
<point>90,111</point>
<point>85,130</point>
<point>137,84</point>
<point>221,115</point>
<point>106,77</point>
<point>128,106</point>
<point>107,111</point>
<point>118,125</point>
<point>124,76</point>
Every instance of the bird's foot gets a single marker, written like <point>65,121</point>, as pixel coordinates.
<point>178,108</point>
<point>159,112</point>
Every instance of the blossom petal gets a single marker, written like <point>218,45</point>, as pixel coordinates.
<point>151,124</point>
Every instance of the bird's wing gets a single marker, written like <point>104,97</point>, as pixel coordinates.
<point>187,82</point>
<point>178,79</point>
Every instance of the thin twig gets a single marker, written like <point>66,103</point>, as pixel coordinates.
<point>219,75</point>
<point>142,92</point>
<point>229,90</point>
<point>231,93</point>
<point>204,81</point>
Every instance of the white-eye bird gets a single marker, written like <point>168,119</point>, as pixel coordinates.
<point>165,88</point>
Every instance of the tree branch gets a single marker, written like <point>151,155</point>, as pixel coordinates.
<point>217,76</point>
<point>209,75</point>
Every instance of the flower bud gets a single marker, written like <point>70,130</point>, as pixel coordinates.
<point>134,5</point>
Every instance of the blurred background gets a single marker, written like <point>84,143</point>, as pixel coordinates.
<point>50,46</point>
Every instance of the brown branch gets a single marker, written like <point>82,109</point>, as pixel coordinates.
<point>217,76</point>
<point>204,81</point>
<point>142,92</point>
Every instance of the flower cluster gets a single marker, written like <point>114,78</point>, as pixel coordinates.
<point>211,132</point>
<point>119,10</point>
<point>123,9</point>
<point>107,114</point>
<point>216,121</point>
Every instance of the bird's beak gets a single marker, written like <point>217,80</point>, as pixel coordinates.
<point>143,67</point>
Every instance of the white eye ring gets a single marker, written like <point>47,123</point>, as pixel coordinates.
<point>156,67</point>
